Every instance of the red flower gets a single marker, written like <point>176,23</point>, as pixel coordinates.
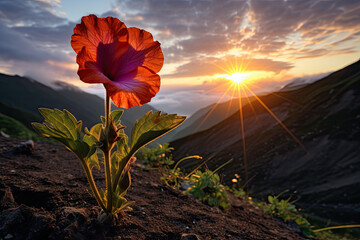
<point>125,60</point>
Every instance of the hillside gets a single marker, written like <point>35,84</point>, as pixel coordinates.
<point>45,195</point>
<point>205,118</point>
<point>22,116</point>
<point>14,128</point>
<point>324,116</point>
<point>28,95</point>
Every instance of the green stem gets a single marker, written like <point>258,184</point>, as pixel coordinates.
<point>185,158</point>
<point>337,227</point>
<point>222,166</point>
<point>94,189</point>
<point>193,171</point>
<point>122,165</point>
<point>107,155</point>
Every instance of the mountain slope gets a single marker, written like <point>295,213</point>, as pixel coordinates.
<point>205,118</point>
<point>47,194</point>
<point>22,116</point>
<point>29,95</point>
<point>14,128</point>
<point>324,116</point>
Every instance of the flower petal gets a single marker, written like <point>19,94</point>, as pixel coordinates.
<point>134,89</point>
<point>89,71</point>
<point>108,56</point>
<point>143,51</point>
<point>94,30</point>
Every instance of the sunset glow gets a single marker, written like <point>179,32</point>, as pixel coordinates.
<point>177,111</point>
<point>240,88</point>
<point>207,45</point>
<point>238,77</point>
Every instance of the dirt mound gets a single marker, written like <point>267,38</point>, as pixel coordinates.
<point>45,195</point>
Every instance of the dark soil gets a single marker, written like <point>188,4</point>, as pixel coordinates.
<point>45,195</point>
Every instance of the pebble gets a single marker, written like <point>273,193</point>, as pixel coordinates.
<point>25,147</point>
<point>189,236</point>
<point>4,134</point>
<point>185,186</point>
<point>8,236</point>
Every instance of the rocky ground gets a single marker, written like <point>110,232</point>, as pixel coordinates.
<point>45,195</point>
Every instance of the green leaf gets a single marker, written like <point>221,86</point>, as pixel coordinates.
<point>119,201</point>
<point>152,126</point>
<point>122,204</point>
<point>102,119</point>
<point>63,126</point>
<point>114,164</point>
<point>46,131</point>
<point>93,138</point>
<point>93,159</point>
<point>123,148</point>
<point>95,134</point>
<point>116,115</point>
<point>124,183</point>
<point>80,148</point>
<point>62,121</point>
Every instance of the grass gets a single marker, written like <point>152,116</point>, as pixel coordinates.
<point>14,128</point>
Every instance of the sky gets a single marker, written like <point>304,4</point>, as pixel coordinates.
<point>275,42</point>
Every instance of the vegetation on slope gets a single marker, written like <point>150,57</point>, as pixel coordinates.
<point>14,128</point>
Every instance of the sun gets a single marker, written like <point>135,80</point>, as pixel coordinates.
<point>238,77</point>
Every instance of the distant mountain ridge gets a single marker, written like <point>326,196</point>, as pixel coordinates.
<point>324,116</point>
<point>215,113</point>
<point>28,95</point>
<point>205,118</point>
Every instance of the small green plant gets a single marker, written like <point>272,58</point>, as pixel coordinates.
<point>206,187</point>
<point>286,210</point>
<point>239,192</point>
<point>156,157</point>
<point>237,189</point>
<point>173,177</point>
<point>108,142</point>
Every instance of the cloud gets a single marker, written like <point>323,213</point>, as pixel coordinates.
<point>308,22</point>
<point>193,27</point>
<point>34,40</point>
<point>191,31</point>
<point>206,66</point>
<point>198,38</point>
<point>59,35</point>
<point>205,44</point>
<point>312,53</point>
<point>14,46</point>
<point>28,12</point>
<point>185,100</point>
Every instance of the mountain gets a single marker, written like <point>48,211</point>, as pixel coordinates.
<point>205,118</point>
<point>22,116</point>
<point>215,113</point>
<point>28,95</point>
<point>324,116</point>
